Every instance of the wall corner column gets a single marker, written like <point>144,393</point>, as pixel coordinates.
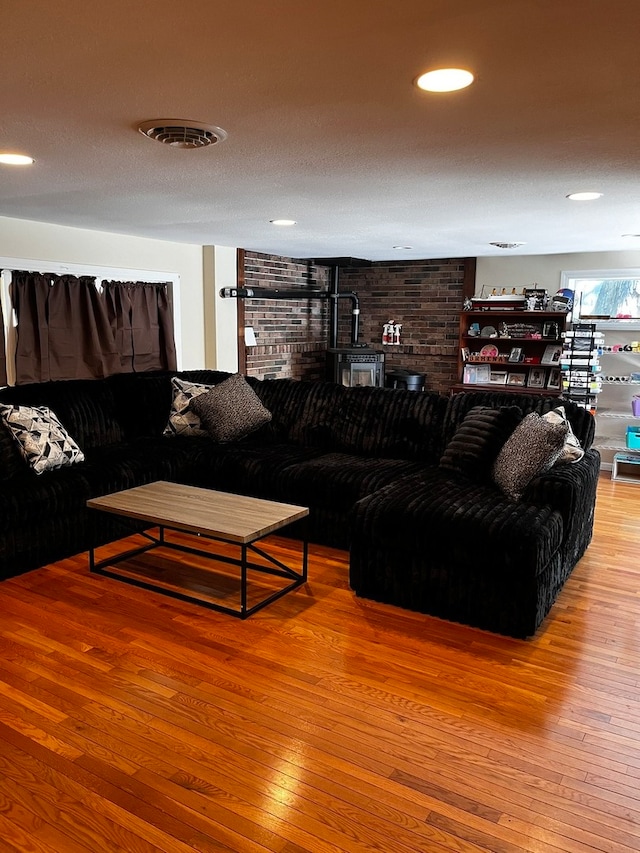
<point>219,269</point>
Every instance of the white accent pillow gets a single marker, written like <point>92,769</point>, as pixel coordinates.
<point>182,419</point>
<point>42,439</point>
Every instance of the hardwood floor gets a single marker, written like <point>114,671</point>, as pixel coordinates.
<point>133,722</point>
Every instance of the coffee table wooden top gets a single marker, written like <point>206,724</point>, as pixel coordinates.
<point>235,518</point>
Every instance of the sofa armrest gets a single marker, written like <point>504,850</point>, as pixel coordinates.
<point>571,490</point>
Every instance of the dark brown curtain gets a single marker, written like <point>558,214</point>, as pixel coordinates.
<point>63,329</point>
<point>141,317</point>
<point>3,352</point>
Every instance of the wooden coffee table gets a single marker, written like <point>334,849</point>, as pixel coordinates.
<point>232,519</point>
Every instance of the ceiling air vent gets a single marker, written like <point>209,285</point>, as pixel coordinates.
<point>506,245</point>
<point>180,133</point>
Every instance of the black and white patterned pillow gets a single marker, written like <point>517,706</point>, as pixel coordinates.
<point>231,410</point>
<point>533,447</point>
<point>42,439</point>
<point>182,419</point>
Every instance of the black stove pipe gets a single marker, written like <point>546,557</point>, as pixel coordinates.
<point>333,319</point>
<point>333,295</point>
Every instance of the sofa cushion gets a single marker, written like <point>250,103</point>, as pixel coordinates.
<point>86,407</point>
<point>12,462</point>
<point>43,440</point>
<point>142,402</point>
<point>338,480</point>
<point>457,522</point>
<point>250,467</point>
<point>143,460</point>
<point>302,411</point>
<point>458,550</point>
<point>533,448</point>
<point>42,519</point>
<point>396,424</point>
<point>582,421</point>
<point>476,443</point>
<point>231,410</point>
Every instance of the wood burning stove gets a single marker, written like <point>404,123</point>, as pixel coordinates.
<point>357,366</point>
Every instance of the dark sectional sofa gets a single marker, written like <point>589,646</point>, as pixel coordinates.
<point>365,460</point>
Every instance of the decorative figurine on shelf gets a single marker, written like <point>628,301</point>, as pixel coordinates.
<point>467,305</point>
<point>562,300</point>
<point>391,333</point>
<point>387,332</point>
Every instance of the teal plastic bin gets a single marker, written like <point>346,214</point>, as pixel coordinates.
<point>633,437</point>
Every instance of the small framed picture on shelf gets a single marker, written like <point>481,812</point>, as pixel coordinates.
<point>470,374</point>
<point>465,353</point>
<point>535,299</point>
<point>551,354</point>
<point>551,330</point>
<point>536,378</point>
<point>515,354</point>
<point>553,380</point>
<point>515,379</point>
<point>498,377</point>
<point>483,374</point>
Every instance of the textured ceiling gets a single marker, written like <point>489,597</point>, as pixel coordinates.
<point>324,124</point>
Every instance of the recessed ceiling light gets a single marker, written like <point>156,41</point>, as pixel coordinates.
<point>445,80</point>
<point>16,159</point>
<point>403,247</point>
<point>282,221</point>
<point>589,196</point>
<point>631,235</point>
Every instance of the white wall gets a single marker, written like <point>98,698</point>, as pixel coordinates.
<point>43,242</point>
<point>544,270</point>
<point>221,315</point>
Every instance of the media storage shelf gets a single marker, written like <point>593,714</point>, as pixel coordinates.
<point>626,467</point>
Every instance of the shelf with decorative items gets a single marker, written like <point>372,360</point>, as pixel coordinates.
<point>580,363</point>
<point>618,413</point>
<point>510,349</point>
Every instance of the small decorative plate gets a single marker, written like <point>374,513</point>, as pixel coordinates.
<point>489,351</point>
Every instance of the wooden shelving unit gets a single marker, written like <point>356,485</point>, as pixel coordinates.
<point>502,332</point>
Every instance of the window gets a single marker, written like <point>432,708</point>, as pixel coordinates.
<point>612,295</point>
<point>57,344</point>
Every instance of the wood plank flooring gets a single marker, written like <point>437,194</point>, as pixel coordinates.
<point>133,722</point>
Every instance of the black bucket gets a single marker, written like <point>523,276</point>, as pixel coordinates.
<point>407,379</point>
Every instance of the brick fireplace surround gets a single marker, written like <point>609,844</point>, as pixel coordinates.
<point>293,336</point>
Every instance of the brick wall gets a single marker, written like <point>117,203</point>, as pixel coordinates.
<point>291,335</point>
<point>425,296</point>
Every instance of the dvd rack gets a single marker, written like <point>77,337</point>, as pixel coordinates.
<point>580,365</point>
